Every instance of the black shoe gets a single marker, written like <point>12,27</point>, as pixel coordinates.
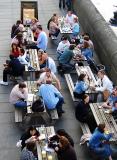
<point>62,111</point>
<point>59,114</point>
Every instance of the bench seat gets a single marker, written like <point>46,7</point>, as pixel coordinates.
<point>70,86</point>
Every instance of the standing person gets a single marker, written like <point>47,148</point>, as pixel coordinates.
<point>52,98</point>
<point>98,142</point>
<point>19,95</point>
<point>64,150</point>
<point>62,2</point>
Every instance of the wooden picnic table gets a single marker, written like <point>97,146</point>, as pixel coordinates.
<point>103,117</point>
<point>87,70</point>
<point>28,35</point>
<point>33,65</point>
<point>43,151</point>
<point>78,57</point>
<point>65,28</point>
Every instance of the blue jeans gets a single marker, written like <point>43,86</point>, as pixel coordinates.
<point>21,104</point>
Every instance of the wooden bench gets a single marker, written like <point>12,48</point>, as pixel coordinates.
<point>85,128</point>
<point>54,114</point>
<point>18,115</point>
<point>70,86</point>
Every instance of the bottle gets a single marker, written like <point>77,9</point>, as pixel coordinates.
<point>76,65</point>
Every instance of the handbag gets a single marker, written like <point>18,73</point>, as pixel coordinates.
<point>38,106</point>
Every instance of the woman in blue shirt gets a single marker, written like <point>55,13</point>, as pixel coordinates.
<point>80,86</point>
<point>86,51</point>
<point>98,143</point>
<point>76,28</point>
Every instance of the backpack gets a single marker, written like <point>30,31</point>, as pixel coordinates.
<point>38,106</point>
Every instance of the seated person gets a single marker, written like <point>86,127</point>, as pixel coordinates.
<point>18,40</point>
<point>51,96</point>
<point>55,139</point>
<point>66,57</point>
<point>111,102</point>
<point>14,68</point>
<point>112,98</point>
<point>64,150</point>
<point>81,86</point>
<point>48,74</point>
<point>83,113</point>
<point>53,28</point>
<point>56,20</point>
<point>104,86</point>
<point>49,63</point>
<point>42,58</point>
<point>98,142</point>
<point>15,50</point>
<point>19,95</point>
<point>75,28</point>
<point>28,152</point>
<point>30,135</point>
<point>23,57</point>
<point>33,26</point>
<point>70,18</point>
<point>64,44</point>
<point>14,27</point>
<point>91,45</point>
<point>42,40</point>
<point>86,51</point>
<point>20,29</point>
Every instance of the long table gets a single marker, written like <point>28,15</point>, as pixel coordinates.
<point>101,116</point>
<point>33,65</point>
<point>43,151</point>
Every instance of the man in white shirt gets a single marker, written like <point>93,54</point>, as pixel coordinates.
<point>49,75</point>
<point>103,84</point>
<point>70,18</point>
<point>64,44</point>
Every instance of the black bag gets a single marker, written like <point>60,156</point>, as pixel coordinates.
<point>38,106</point>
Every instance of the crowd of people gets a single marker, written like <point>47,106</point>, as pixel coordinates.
<point>50,86</point>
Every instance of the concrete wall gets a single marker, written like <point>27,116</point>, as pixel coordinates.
<point>105,41</point>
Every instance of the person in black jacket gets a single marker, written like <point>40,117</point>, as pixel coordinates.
<point>14,68</point>
<point>53,141</point>
<point>65,151</point>
<point>83,113</point>
<point>32,131</point>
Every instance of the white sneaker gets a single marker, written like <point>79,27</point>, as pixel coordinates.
<point>4,83</point>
